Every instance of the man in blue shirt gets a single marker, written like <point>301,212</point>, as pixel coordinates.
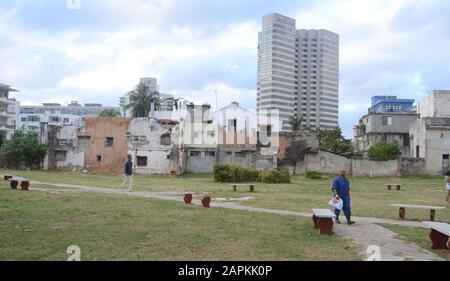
<point>128,171</point>
<point>341,189</point>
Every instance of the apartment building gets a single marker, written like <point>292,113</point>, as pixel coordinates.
<point>32,117</point>
<point>298,73</point>
<point>9,110</point>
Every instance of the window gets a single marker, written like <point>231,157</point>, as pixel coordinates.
<point>166,139</point>
<point>109,142</point>
<point>54,119</point>
<point>84,141</point>
<point>33,119</point>
<point>60,155</point>
<point>387,120</point>
<point>66,120</point>
<point>195,153</point>
<point>406,140</point>
<point>99,158</point>
<point>241,154</point>
<point>23,119</point>
<point>210,153</point>
<point>142,161</point>
<point>417,151</point>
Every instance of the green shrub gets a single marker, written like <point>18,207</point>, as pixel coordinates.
<point>250,175</point>
<point>384,151</point>
<point>24,150</point>
<point>234,173</point>
<point>274,176</point>
<point>313,175</point>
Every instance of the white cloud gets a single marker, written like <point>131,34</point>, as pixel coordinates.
<point>380,52</point>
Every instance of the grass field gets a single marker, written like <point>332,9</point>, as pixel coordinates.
<point>40,226</point>
<point>370,197</point>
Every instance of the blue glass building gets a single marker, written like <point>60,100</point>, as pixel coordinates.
<point>390,104</point>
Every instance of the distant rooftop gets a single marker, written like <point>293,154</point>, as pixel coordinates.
<point>71,104</point>
<point>389,99</point>
<point>8,88</point>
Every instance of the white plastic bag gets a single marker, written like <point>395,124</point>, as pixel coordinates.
<point>336,203</point>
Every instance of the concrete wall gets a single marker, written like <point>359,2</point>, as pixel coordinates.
<point>365,168</point>
<point>400,122</point>
<point>412,166</point>
<point>149,131</point>
<point>112,158</point>
<point>200,164</point>
<point>330,163</point>
<point>326,162</point>
<point>435,104</point>
<point>432,137</point>
<point>375,132</point>
<point>245,158</point>
<point>74,160</point>
<point>263,162</point>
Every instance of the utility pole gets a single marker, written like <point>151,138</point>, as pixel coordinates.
<point>218,127</point>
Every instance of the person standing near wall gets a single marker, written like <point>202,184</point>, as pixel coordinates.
<point>447,187</point>
<point>128,170</point>
<point>341,189</point>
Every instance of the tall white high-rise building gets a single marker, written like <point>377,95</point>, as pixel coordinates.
<point>298,72</point>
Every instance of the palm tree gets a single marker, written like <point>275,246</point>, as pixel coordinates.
<point>141,100</point>
<point>109,113</point>
<point>296,124</point>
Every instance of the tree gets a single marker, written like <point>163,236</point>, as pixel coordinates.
<point>141,99</point>
<point>296,153</point>
<point>109,113</point>
<point>296,124</point>
<point>384,151</point>
<point>334,141</point>
<point>24,149</point>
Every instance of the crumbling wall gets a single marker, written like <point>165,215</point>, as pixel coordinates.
<point>412,166</point>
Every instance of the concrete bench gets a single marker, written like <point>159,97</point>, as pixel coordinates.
<point>390,185</point>
<point>323,220</point>
<point>402,210</point>
<point>439,235</point>
<point>251,187</point>
<point>24,183</point>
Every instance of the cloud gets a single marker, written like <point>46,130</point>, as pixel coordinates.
<point>194,47</point>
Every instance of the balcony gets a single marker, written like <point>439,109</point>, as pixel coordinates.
<point>7,101</point>
<point>8,114</point>
<point>5,128</point>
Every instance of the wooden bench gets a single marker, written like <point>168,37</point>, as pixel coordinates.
<point>439,235</point>
<point>323,220</point>
<point>389,186</point>
<point>250,186</point>
<point>402,210</point>
<point>7,177</point>
<point>24,183</point>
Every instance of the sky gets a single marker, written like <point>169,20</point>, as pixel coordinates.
<point>58,51</point>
